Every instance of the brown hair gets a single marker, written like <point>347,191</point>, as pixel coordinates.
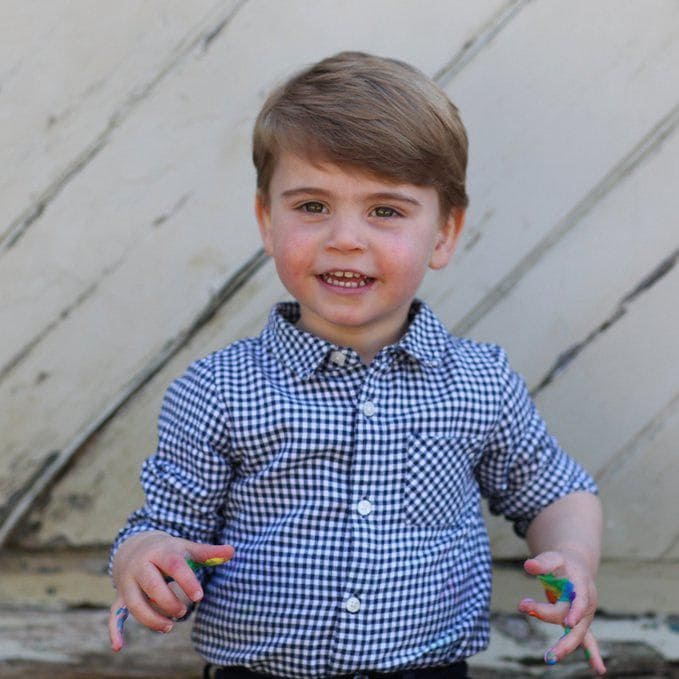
<point>381,116</point>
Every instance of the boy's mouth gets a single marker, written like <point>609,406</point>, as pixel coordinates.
<point>346,279</point>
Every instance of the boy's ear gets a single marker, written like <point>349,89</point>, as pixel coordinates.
<point>263,214</point>
<point>447,238</point>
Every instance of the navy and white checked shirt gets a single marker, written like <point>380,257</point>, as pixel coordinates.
<point>351,494</point>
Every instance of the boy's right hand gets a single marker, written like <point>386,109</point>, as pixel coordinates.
<point>140,569</point>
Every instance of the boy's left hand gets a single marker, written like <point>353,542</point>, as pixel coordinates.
<point>577,615</point>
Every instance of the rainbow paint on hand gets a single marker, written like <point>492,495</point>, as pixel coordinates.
<point>121,615</point>
<point>557,589</point>
<point>209,563</point>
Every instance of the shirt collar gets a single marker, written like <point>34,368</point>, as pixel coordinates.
<point>425,339</point>
<point>301,351</point>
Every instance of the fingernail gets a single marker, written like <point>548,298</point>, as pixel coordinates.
<point>197,595</point>
<point>167,629</point>
<point>550,657</point>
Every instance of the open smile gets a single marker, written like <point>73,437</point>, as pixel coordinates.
<point>346,279</point>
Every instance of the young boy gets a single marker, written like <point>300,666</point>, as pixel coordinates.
<point>343,453</point>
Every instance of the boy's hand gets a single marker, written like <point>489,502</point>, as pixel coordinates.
<point>140,569</point>
<point>577,615</point>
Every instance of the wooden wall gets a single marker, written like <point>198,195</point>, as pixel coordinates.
<point>128,246</point>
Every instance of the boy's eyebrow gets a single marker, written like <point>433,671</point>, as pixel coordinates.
<point>379,195</point>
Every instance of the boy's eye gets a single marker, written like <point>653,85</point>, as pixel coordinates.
<point>313,207</point>
<point>384,211</point>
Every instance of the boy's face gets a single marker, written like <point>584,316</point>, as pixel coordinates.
<point>351,248</point>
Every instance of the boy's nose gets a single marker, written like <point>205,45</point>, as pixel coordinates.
<point>346,233</point>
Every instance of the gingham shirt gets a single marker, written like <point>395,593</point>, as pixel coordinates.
<point>351,494</point>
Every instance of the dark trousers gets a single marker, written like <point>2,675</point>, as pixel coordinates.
<point>457,670</point>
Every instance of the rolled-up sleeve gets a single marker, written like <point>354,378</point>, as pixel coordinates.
<point>523,469</point>
<point>187,479</point>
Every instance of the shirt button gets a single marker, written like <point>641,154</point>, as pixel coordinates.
<point>338,358</point>
<point>353,604</point>
<point>369,408</point>
<point>364,507</point>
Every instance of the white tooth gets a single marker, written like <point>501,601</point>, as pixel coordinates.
<point>361,283</point>
<point>338,274</point>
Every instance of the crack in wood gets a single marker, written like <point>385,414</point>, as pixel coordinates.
<point>84,295</point>
<point>568,356</point>
<point>477,43</point>
<point>6,369</point>
<point>215,32</point>
<point>649,143</point>
<point>58,465</point>
<point>18,228</point>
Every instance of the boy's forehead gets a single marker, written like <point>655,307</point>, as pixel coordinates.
<point>295,169</point>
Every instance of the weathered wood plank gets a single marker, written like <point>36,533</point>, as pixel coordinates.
<point>55,579</point>
<point>565,104</point>
<point>69,644</point>
<point>166,215</point>
<point>612,399</point>
<point>587,277</point>
<point>90,68</point>
<point>89,505</point>
<point>576,287</point>
<point>629,374</point>
<point>639,487</point>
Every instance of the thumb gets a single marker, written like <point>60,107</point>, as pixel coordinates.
<point>116,619</point>
<point>546,562</point>
<point>201,552</point>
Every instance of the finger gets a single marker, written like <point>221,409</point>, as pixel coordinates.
<point>546,562</point>
<point>584,602</point>
<point>569,641</point>
<point>176,569</point>
<point>202,553</point>
<point>553,613</point>
<point>593,654</point>
<point>580,607</point>
<point>154,586</point>
<point>139,606</point>
<point>116,619</point>
<point>210,555</point>
<point>180,594</point>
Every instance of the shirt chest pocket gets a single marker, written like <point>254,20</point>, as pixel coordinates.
<point>439,486</point>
